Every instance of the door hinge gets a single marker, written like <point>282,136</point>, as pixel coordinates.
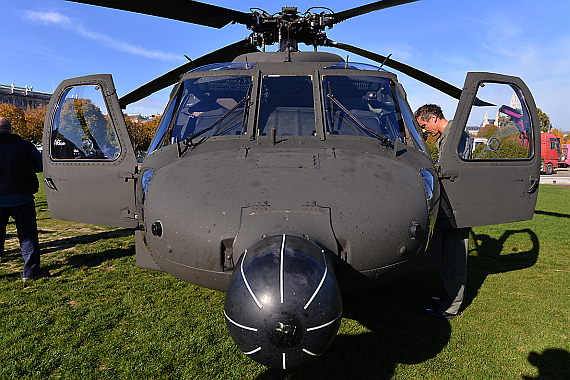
<point>448,175</point>
<point>127,213</point>
<point>128,175</point>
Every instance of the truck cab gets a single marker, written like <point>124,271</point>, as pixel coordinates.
<point>550,153</point>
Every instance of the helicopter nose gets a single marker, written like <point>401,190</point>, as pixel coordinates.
<point>283,304</point>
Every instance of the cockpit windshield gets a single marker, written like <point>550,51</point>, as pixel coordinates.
<point>362,106</point>
<point>212,105</point>
<point>286,105</point>
<point>349,104</point>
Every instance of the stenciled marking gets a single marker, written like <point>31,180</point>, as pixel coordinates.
<point>310,353</point>
<point>253,351</point>
<point>247,284</point>
<point>320,284</point>
<point>284,367</point>
<point>325,325</point>
<point>239,325</point>
<point>281,269</point>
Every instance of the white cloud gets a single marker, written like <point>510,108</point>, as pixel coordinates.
<point>63,21</point>
<point>47,18</point>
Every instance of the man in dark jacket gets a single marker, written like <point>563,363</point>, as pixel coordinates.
<point>19,163</point>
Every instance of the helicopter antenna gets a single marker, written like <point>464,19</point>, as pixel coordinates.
<point>383,62</point>
<point>191,61</point>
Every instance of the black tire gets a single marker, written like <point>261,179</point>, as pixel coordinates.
<point>549,169</point>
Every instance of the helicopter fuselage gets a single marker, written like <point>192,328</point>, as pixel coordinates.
<point>363,199</point>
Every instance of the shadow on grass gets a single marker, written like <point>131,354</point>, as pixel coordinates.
<point>91,260</point>
<point>70,242</point>
<point>489,260</point>
<point>554,214</point>
<point>76,260</point>
<point>553,363</point>
<point>400,332</point>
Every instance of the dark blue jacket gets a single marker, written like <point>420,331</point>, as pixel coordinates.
<point>19,163</point>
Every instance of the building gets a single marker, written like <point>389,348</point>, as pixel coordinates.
<point>23,98</point>
<point>138,118</point>
<point>472,130</point>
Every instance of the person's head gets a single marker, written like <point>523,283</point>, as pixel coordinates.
<point>430,119</point>
<point>5,126</point>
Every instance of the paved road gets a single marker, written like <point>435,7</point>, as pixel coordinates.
<point>561,177</point>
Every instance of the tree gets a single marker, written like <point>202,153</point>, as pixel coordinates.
<point>141,133</point>
<point>557,133</point>
<point>430,142</point>
<point>544,121</point>
<point>487,131</point>
<point>150,129</point>
<point>509,147</point>
<point>34,124</point>
<point>15,116</point>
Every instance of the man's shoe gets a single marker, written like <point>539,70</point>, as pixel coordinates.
<point>40,274</point>
<point>440,314</point>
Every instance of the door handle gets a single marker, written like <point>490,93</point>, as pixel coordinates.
<point>533,184</point>
<point>49,183</point>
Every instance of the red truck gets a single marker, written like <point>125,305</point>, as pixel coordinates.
<point>550,153</point>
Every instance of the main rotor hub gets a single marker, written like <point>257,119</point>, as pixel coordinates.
<point>289,27</point>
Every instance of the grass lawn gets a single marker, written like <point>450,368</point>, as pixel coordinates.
<point>100,317</point>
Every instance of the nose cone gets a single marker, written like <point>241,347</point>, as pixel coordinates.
<point>283,305</point>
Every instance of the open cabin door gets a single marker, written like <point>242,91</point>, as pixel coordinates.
<point>88,160</point>
<point>498,182</point>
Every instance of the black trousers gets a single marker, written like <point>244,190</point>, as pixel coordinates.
<point>25,217</point>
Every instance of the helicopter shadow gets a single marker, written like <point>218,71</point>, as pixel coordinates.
<point>397,330</point>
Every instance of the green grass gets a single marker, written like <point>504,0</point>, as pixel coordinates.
<point>99,317</point>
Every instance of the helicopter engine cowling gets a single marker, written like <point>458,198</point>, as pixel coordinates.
<point>283,305</point>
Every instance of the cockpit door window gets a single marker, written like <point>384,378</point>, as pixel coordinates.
<point>503,129</point>
<point>82,128</point>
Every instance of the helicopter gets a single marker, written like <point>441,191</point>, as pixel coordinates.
<point>286,178</point>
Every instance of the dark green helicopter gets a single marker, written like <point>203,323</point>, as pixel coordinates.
<point>286,177</point>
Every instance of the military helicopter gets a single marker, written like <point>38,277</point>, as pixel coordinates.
<point>285,178</point>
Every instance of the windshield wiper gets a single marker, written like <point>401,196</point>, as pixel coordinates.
<point>385,139</point>
<point>189,139</point>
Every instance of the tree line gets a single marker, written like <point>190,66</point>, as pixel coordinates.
<point>29,125</point>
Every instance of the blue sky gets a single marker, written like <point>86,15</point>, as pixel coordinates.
<point>47,41</point>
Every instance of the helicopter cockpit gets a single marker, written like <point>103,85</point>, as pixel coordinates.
<point>353,100</point>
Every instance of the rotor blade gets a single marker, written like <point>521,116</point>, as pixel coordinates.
<point>182,10</point>
<point>225,54</point>
<point>382,4</point>
<point>423,77</point>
